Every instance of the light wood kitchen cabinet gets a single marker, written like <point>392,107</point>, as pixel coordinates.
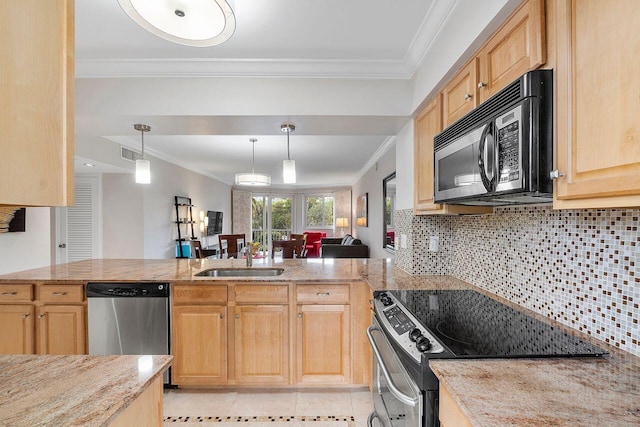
<point>29,325</point>
<point>517,47</point>
<point>459,95</point>
<point>260,332</point>
<point>597,104</point>
<point>450,413</point>
<point>199,334</point>
<point>199,344</point>
<point>36,113</point>
<point>60,329</point>
<point>427,124</point>
<point>16,329</point>
<point>323,333</point>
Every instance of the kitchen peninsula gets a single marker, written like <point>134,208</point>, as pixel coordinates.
<point>78,390</point>
<point>223,306</point>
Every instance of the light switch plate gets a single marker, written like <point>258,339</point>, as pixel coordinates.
<point>403,241</point>
<point>434,243</point>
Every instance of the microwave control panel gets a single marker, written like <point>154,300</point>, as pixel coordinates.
<point>508,138</point>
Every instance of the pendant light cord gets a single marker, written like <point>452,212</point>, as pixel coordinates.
<point>142,143</point>
<point>253,161</point>
<point>288,152</point>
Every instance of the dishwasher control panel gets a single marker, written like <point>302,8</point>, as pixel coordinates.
<point>127,290</point>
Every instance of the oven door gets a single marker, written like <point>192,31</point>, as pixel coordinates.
<point>397,399</point>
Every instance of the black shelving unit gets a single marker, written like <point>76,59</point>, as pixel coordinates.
<point>184,218</point>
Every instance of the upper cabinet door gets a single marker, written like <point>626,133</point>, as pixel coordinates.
<point>427,124</point>
<point>517,47</point>
<point>36,112</point>
<point>598,103</point>
<point>459,95</point>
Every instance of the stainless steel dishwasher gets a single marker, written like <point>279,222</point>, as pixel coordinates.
<point>129,318</point>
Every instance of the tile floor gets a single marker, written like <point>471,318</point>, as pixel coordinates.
<point>275,408</point>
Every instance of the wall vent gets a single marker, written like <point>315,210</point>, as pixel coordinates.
<point>128,154</point>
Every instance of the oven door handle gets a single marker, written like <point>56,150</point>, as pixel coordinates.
<point>395,391</point>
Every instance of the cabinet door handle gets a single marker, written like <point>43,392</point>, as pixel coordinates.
<point>222,316</point>
<point>40,316</point>
<point>467,96</point>
<point>24,316</point>
<point>481,85</point>
<point>9,293</point>
<point>299,315</point>
<point>61,294</point>
<point>323,294</point>
<point>555,174</point>
<point>237,316</point>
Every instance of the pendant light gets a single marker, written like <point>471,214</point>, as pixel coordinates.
<point>143,167</point>
<point>253,178</point>
<point>198,23</point>
<point>288,166</point>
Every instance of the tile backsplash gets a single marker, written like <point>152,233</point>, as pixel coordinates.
<point>579,267</point>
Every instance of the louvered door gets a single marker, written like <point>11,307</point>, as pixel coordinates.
<point>77,226</point>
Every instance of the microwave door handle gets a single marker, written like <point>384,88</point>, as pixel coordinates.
<point>488,183</point>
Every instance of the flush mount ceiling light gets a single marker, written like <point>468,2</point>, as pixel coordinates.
<point>199,23</point>
<point>143,167</point>
<point>253,178</point>
<point>288,166</point>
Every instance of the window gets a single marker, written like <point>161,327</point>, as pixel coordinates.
<point>319,211</point>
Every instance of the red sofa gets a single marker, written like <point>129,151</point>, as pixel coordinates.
<point>314,243</point>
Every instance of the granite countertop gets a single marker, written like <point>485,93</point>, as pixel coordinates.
<point>380,274</point>
<point>545,392</point>
<point>40,390</point>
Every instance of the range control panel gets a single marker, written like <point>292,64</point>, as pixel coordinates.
<point>403,328</point>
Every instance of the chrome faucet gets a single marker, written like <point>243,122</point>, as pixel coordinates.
<point>249,254</point>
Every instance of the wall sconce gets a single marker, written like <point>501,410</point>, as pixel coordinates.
<point>204,222</point>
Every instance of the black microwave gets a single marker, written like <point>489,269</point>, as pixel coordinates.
<point>501,153</point>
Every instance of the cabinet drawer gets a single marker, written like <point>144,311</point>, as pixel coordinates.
<point>16,293</point>
<point>322,294</point>
<point>199,294</point>
<point>262,294</point>
<point>61,293</point>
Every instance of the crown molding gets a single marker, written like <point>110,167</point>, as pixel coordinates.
<point>134,145</point>
<point>219,67</point>
<point>381,151</point>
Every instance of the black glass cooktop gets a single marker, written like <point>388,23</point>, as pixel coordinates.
<point>471,324</point>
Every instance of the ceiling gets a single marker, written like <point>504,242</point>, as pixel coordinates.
<point>336,68</point>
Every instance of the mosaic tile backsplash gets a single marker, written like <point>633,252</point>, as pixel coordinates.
<point>579,267</point>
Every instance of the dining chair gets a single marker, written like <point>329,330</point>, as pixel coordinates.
<point>287,246</point>
<point>233,242</point>
<point>196,248</point>
<point>300,245</point>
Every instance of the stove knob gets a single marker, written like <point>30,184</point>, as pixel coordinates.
<point>386,301</point>
<point>414,334</point>
<point>423,344</point>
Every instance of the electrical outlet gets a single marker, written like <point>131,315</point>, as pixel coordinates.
<point>434,243</point>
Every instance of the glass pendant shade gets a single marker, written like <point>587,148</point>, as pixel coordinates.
<point>197,23</point>
<point>253,179</point>
<point>143,172</point>
<point>289,171</point>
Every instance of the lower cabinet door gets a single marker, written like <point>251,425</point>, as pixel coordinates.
<point>60,329</point>
<point>199,345</point>
<point>323,346</point>
<point>16,329</point>
<point>261,344</point>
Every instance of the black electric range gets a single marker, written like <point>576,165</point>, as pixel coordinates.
<point>419,325</point>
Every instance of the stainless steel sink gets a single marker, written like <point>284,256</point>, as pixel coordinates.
<point>241,272</point>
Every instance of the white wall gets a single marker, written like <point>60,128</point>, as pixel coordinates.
<point>371,182</point>
<point>167,181</point>
<point>28,249</point>
<point>404,167</point>
<point>123,216</point>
